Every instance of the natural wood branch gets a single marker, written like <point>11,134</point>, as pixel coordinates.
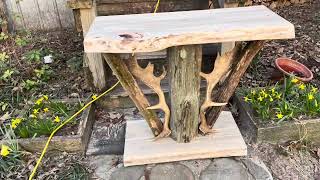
<point>221,67</point>
<point>147,77</point>
<point>128,82</point>
<point>229,86</point>
<point>184,81</point>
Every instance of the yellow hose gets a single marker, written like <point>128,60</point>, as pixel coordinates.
<point>73,116</point>
<point>64,123</point>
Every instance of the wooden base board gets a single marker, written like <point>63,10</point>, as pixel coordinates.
<point>141,149</point>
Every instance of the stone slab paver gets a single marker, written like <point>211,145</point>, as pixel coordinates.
<point>257,168</point>
<point>128,173</point>
<point>226,169</point>
<point>171,171</point>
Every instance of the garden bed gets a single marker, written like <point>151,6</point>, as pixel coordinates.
<point>65,140</point>
<point>255,131</point>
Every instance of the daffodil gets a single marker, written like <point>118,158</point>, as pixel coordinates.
<point>39,101</point>
<point>294,80</point>
<point>57,119</point>
<point>314,89</point>
<point>45,97</point>
<point>94,96</point>
<point>15,122</point>
<point>5,150</point>
<point>279,115</point>
<point>246,99</point>
<point>46,110</point>
<point>302,86</point>
<point>260,98</point>
<point>310,96</point>
<point>35,111</point>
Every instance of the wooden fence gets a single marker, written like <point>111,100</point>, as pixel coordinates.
<point>43,15</point>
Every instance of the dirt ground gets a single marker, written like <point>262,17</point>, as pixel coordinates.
<point>305,48</point>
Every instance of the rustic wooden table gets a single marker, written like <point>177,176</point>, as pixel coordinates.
<point>182,34</point>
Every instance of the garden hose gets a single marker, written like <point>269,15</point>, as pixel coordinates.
<point>73,116</point>
<point>64,123</point>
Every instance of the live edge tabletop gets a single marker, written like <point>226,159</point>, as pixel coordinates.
<point>154,32</point>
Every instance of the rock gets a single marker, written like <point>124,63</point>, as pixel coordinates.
<point>171,171</point>
<point>128,173</point>
<point>103,165</point>
<point>257,168</point>
<point>225,169</point>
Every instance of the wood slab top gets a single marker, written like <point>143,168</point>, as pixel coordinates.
<point>154,32</point>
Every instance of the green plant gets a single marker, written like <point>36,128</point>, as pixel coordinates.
<point>29,84</point>
<point>21,41</point>
<point>3,56</point>
<point>6,76</point>
<point>34,56</point>
<point>42,118</point>
<point>44,73</point>
<point>292,100</point>
<point>3,36</point>
<point>10,156</point>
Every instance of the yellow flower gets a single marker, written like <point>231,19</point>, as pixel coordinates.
<point>246,99</point>
<point>94,96</point>
<point>46,110</point>
<point>279,115</point>
<point>316,103</point>
<point>45,97</point>
<point>39,101</point>
<point>310,97</point>
<point>271,99</point>
<point>15,122</point>
<point>253,92</point>
<point>260,98</point>
<point>273,90</point>
<point>5,150</point>
<point>314,89</point>
<point>279,96</point>
<point>294,80</point>
<point>57,119</point>
<point>302,86</point>
<point>35,111</point>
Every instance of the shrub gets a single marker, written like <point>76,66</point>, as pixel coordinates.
<point>292,100</point>
<point>42,118</point>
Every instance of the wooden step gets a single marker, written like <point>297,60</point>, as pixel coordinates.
<point>155,32</point>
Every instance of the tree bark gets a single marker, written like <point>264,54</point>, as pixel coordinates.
<point>184,71</point>
<point>228,87</point>
<point>128,82</point>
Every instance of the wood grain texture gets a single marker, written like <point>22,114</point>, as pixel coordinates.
<point>147,32</point>
<point>184,84</point>
<point>107,8</point>
<point>128,83</point>
<point>94,60</point>
<point>39,15</point>
<point>140,149</point>
<point>227,89</point>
